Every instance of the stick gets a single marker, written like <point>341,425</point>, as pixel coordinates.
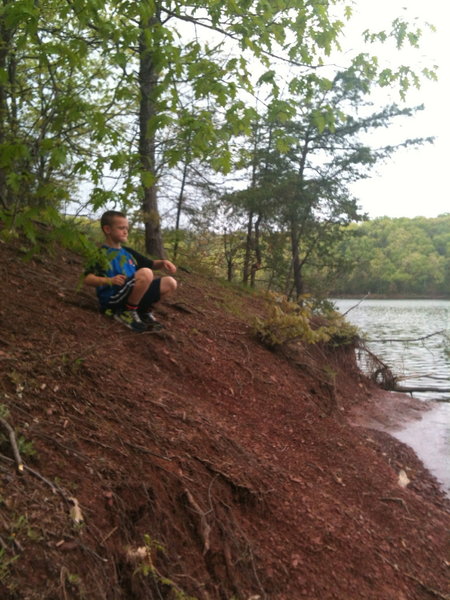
<point>356,305</point>
<point>399,500</point>
<point>55,488</point>
<point>12,439</point>
<point>403,388</point>
<point>425,337</point>
<point>205,529</point>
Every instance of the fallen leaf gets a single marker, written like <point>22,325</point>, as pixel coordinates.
<point>75,512</point>
<point>403,479</point>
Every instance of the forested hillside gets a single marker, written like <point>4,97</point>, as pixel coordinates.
<point>397,257</point>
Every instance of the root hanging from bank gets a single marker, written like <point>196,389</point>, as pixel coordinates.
<point>377,370</point>
<point>382,375</point>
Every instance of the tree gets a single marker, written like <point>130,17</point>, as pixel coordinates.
<point>118,74</point>
<point>318,153</point>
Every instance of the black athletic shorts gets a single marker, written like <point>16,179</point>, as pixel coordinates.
<point>118,301</point>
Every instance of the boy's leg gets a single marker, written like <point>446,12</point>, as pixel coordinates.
<point>126,301</point>
<point>168,286</point>
<point>142,281</point>
<point>159,288</point>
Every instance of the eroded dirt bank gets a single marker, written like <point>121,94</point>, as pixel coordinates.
<point>204,465</point>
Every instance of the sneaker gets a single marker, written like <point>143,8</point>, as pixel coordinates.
<point>131,319</point>
<point>149,319</point>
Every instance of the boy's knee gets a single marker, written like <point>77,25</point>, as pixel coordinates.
<point>168,285</point>
<point>144,274</point>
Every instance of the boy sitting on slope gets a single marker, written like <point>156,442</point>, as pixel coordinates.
<point>126,285</point>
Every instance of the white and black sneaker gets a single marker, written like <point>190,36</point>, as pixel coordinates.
<point>148,318</point>
<point>132,320</point>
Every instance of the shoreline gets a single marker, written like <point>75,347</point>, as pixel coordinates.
<point>386,413</point>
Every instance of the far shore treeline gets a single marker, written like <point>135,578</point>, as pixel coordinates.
<point>397,257</point>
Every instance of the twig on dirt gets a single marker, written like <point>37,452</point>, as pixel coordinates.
<point>249,371</point>
<point>211,509</point>
<point>82,457</point>
<point>146,450</point>
<point>183,307</point>
<point>12,439</point>
<point>414,578</point>
<point>55,488</point>
<point>107,536</point>
<point>428,589</point>
<point>399,500</point>
<point>90,551</point>
<point>62,579</point>
<point>356,305</point>
<point>205,528</point>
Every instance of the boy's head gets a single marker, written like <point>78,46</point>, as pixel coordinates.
<point>114,225</point>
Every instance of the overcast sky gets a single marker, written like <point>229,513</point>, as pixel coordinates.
<point>413,182</point>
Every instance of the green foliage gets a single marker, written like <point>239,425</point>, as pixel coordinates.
<point>5,564</point>
<point>397,257</point>
<point>97,91</point>
<point>290,321</point>
<point>4,411</point>
<point>147,568</point>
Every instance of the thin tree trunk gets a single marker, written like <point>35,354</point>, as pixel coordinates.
<point>248,248</point>
<point>148,79</point>
<point>5,40</point>
<point>296,262</point>
<point>179,209</point>
<point>258,254</point>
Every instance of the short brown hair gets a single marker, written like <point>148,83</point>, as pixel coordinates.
<point>108,217</point>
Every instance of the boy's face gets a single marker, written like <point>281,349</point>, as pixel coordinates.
<point>118,231</point>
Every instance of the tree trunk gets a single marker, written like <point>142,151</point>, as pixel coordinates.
<point>296,262</point>
<point>148,79</point>
<point>258,254</point>
<point>248,248</point>
<point>179,209</point>
<point>5,40</point>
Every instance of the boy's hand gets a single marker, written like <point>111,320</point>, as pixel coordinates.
<point>168,266</point>
<point>118,279</point>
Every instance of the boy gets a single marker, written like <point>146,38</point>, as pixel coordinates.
<point>125,284</point>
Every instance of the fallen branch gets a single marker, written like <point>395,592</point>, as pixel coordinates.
<point>392,499</point>
<point>356,305</point>
<point>428,589</point>
<point>407,340</point>
<point>55,488</point>
<point>205,529</point>
<point>411,389</point>
<point>12,440</point>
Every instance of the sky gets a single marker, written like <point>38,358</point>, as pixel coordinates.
<point>415,182</point>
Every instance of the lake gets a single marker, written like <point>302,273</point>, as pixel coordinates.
<point>422,363</point>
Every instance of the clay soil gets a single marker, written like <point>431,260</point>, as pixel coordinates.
<point>195,463</point>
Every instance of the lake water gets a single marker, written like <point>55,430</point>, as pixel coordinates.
<point>422,363</point>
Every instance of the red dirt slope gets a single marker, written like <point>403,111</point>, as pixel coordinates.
<point>204,465</point>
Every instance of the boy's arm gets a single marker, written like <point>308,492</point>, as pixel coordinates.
<point>164,264</point>
<point>143,261</point>
<point>97,280</point>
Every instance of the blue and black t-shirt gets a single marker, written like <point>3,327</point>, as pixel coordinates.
<point>119,261</point>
